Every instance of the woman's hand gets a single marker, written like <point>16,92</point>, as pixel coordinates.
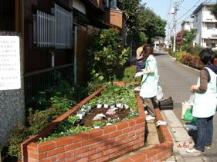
<point>194,88</point>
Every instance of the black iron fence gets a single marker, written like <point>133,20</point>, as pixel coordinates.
<point>41,80</point>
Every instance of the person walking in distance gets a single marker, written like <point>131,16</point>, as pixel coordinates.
<point>205,102</point>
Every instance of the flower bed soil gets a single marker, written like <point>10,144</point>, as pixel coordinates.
<point>88,119</point>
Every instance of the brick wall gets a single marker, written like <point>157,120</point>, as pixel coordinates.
<point>96,145</point>
<point>158,152</point>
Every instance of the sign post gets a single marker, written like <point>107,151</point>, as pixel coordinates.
<point>12,109</point>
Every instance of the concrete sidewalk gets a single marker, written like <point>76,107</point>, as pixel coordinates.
<point>182,140</point>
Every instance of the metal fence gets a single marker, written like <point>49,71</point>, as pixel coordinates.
<point>53,30</point>
<point>41,80</point>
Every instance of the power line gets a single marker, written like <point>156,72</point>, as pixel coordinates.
<point>195,5</point>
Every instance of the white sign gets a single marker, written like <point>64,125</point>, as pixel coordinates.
<point>10,63</point>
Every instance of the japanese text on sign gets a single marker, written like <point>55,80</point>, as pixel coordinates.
<point>10,63</point>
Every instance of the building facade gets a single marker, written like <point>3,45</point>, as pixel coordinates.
<point>55,35</point>
<point>206,25</point>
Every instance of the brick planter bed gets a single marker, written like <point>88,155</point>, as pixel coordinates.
<point>158,152</point>
<point>99,145</point>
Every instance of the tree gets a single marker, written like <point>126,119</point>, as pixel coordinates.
<point>188,38</point>
<point>142,22</point>
<point>151,24</point>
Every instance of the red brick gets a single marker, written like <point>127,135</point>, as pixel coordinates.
<point>81,150</point>
<point>64,141</point>
<point>55,151</point>
<point>32,160</point>
<point>110,151</point>
<point>33,155</point>
<point>95,156</point>
<point>82,160</point>
<point>132,122</point>
<point>109,129</point>
<point>46,146</point>
<point>140,120</point>
<point>122,125</point>
<point>115,134</point>
<point>72,146</point>
<point>42,155</point>
<point>48,160</point>
<point>127,130</point>
<point>96,132</point>
<point>69,154</point>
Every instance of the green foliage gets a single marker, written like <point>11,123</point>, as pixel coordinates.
<point>190,60</point>
<point>65,130</point>
<point>16,138</point>
<point>124,95</point>
<point>179,55</point>
<point>194,50</point>
<point>115,94</point>
<point>47,106</point>
<point>60,103</point>
<point>141,20</point>
<point>129,73</point>
<point>99,124</point>
<point>188,38</point>
<point>106,56</point>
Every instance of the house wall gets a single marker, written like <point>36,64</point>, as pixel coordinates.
<point>41,62</point>
<point>206,25</point>
<point>198,25</point>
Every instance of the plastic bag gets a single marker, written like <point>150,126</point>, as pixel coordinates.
<point>188,115</point>
<point>185,106</point>
<point>159,93</point>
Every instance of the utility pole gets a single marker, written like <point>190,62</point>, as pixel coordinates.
<point>173,12</point>
<point>175,8</point>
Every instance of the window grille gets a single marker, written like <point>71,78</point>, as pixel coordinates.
<point>53,30</point>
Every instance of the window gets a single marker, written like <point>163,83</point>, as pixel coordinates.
<point>210,25</point>
<point>53,30</point>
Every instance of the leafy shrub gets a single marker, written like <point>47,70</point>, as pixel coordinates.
<point>47,106</point>
<point>129,73</point>
<point>16,138</point>
<point>194,50</point>
<point>106,55</point>
<point>179,55</point>
<point>193,61</point>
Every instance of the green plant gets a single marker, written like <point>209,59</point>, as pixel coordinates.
<point>106,55</point>
<point>188,38</point>
<point>99,124</point>
<point>179,55</point>
<point>42,113</point>
<point>60,103</point>
<point>16,137</point>
<point>129,73</point>
<point>66,128</point>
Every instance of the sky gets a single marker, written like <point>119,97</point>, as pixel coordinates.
<point>163,8</point>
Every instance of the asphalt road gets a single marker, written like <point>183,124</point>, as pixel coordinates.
<point>176,80</point>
